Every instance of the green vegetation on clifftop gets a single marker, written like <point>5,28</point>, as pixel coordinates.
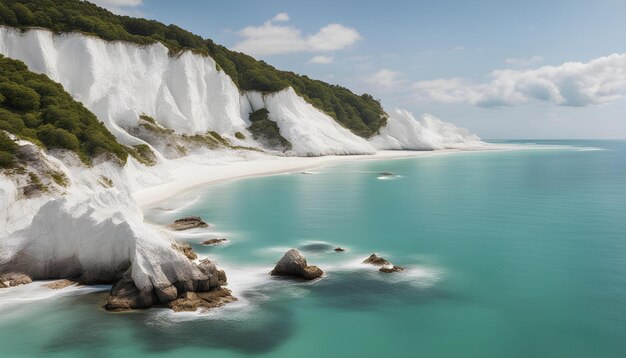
<point>35,108</point>
<point>363,115</point>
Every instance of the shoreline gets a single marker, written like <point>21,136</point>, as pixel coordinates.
<point>195,176</point>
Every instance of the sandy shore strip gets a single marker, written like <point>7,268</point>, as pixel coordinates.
<point>191,176</point>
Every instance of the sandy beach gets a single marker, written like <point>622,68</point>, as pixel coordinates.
<point>191,176</point>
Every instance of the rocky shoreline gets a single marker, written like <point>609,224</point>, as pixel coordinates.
<point>200,284</point>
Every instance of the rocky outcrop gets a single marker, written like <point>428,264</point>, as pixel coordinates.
<point>13,279</point>
<point>185,249</point>
<point>295,265</point>
<point>187,223</point>
<point>205,291</point>
<point>211,242</point>
<point>390,269</point>
<point>376,260</point>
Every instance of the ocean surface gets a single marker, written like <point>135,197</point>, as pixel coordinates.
<point>507,254</point>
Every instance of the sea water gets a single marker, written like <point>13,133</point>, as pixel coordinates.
<point>506,254</point>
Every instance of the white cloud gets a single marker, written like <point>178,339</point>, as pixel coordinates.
<point>322,60</point>
<point>122,7</point>
<point>271,39</point>
<point>386,80</point>
<point>578,84</point>
<point>282,16</point>
<point>524,61</point>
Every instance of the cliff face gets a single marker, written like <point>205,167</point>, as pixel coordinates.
<point>120,81</point>
<point>91,227</point>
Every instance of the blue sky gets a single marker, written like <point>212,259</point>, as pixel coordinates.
<point>502,69</point>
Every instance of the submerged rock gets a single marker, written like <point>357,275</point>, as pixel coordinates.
<point>386,174</point>
<point>210,242</point>
<point>390,269</point>
<point>294,264</point>
<point>316,247</point>
<point>13,279</point>
<point>339,249</point>
<point>57,285</point>
<point>185,249</point>
<point>190,222</point>
<point>373,259</point>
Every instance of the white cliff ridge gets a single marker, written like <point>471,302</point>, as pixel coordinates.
<point>404,132</point>
<point>187,93</point>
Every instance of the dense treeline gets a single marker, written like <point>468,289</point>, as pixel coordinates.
<point>361,114</point>
<point>35,108</point>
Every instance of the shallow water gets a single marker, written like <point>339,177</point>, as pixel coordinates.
<point>508,254</point>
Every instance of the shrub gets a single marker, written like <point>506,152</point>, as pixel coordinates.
<point>143,154</point>
<point>267,132</point>
<point>37,109</point>
<point>259,115</point>
<point>19,96</point>
<point>240,135</point>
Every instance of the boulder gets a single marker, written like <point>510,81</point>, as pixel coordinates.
<point>339,249</point>
<point>375,260</point>
<point>187,223</point>
<point>210,242</point>
<point>185,249</point>
<point>13,279</point>
<point>390,269</point>
<point>2,285</point>
<point>126,296</point>
<point>216,277</point>
<point>294,264</point>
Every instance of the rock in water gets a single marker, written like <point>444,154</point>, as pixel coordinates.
<point>339,249</point>
<point>13,279</point>
<point>373,259</point>
<point>210,242</point>
<point>390,269</point>
<point>185,249</point>
<point>294,264</point>
<point>187,223</point>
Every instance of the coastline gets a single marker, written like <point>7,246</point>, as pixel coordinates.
<point>195,176</point>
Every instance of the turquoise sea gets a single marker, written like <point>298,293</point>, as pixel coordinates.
<point>507,254</point>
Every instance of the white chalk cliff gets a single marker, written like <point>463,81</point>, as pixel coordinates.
<point>97,231</point>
